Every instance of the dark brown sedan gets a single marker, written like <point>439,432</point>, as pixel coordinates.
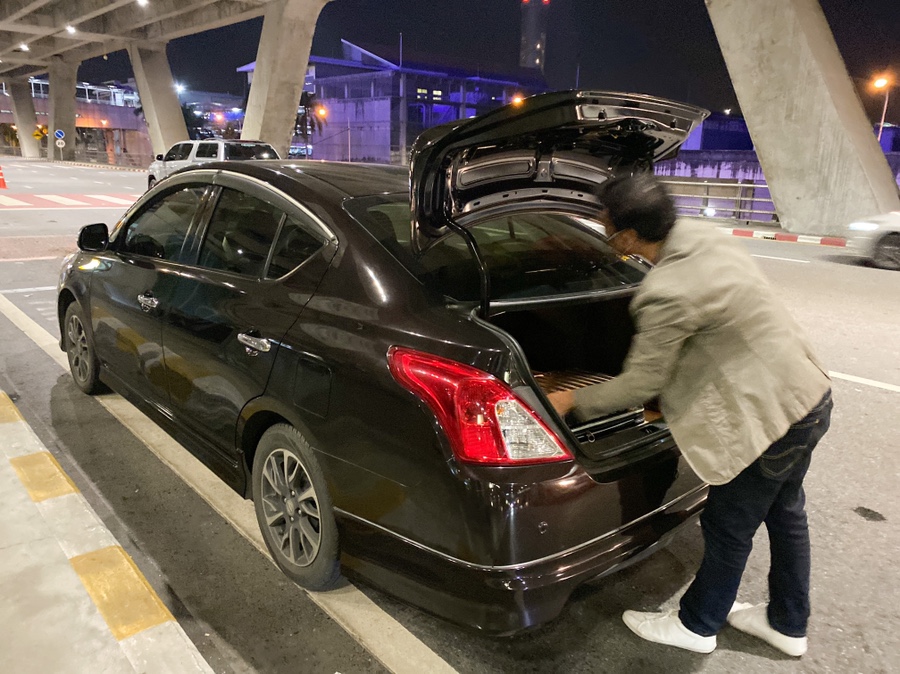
<point>365,351</point>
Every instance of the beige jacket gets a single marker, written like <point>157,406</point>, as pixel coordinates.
<point>732,368</point>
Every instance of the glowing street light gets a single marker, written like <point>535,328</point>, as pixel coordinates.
<point>322,112</point>
<point>883,83</point>
<point>517,100</point>
<point>179,88</point>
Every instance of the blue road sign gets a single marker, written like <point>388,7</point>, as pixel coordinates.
<point>60,134</point>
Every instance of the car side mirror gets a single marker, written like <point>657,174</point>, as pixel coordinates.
<point>93,238</point>
<point>159,157</point>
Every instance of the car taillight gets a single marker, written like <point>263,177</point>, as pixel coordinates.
<point>485,421</point>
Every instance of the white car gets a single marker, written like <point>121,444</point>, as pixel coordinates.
<point>191,152</point>
<point>877,239</point>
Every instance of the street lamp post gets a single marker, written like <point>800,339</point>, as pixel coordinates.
<point>883,83</point>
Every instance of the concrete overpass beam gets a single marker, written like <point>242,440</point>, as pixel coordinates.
<point>280,72</point>
<point>63,75</point>
<point>25,117</point>
<point>156,87</point>
<point>815,144</point>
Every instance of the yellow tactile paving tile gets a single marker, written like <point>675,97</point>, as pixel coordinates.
<point>9,413</point>
<point>121,593</point>
<point>42,476</point>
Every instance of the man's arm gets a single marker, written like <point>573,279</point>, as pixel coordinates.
<point>663,324</point>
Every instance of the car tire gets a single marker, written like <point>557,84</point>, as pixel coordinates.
<point>151,182</point>
<point>887,252</point>
<point>79,345</point>
<point>294,509</point>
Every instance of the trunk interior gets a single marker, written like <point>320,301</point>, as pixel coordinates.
<point>570,347</point>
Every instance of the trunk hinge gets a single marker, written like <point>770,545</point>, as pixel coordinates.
<point>483,273</point>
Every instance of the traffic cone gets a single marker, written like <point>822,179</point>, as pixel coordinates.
<point>2,180</point>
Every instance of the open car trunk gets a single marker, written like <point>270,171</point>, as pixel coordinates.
<point>570,347</point>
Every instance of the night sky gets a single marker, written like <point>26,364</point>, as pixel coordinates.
<point>661,47</point>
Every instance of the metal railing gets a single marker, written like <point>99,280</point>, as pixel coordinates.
<point>748,202</point>
<point>93,156</point>
<point>89,156</point>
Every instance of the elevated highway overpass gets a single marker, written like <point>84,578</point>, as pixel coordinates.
<point>816,147</point>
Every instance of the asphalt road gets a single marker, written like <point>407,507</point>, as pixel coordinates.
<point>245,616</point>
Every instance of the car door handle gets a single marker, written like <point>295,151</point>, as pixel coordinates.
<point>147,301</point>
<point>254,344</point>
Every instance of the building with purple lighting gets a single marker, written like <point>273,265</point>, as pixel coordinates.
<point>374,108</point>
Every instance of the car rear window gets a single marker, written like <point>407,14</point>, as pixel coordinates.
<point>249,151</point>
<point>527,254</point>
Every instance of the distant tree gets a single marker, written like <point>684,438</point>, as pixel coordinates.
<point>9,135</point>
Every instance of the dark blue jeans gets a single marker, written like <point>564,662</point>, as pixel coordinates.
<point>769,490</point>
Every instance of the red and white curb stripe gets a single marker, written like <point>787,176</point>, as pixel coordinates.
<point>784,236</point>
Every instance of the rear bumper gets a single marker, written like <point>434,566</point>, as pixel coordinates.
<point>503,600</point>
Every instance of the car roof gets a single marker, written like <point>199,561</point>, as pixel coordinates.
<point>353,179</point>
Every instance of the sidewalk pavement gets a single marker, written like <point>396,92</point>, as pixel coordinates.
<point>72,599</point>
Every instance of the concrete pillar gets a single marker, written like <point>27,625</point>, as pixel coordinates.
<point>159,100</point>
<point>26,119</point>
<point>280,71</point>
<point>814,142</point>
<point>62,107</point>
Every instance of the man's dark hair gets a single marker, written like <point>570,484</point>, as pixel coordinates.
<point>641,203</point>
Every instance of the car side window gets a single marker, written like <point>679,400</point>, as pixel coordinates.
<point>297,242</point>
<point>178,152</point>
<point>160,228</point>
<point>207,150</point>
<point>240,234</point>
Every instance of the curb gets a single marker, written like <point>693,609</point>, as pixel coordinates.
<point>111,167</point>
<point>784,236</point>
<point>91,591</point>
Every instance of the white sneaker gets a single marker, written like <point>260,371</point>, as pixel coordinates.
<point>755,620</point>
<point>667,628</point>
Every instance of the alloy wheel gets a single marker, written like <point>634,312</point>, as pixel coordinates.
<point>291,508</point>
<point>78,349</point>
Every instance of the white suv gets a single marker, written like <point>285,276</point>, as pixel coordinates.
<point>201,151</point>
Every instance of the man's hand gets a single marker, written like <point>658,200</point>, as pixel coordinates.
<point>562,401</point>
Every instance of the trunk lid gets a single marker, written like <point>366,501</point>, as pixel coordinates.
<point>548,153</point>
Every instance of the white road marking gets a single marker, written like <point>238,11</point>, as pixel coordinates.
<point>36,289</point>
<point>387,640</point>
<point>112,200</point>
<point>84,207</point>
<point>786,259</point>
<point>65,201</point>
<point>867,382</point>
<point>9,201</point>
